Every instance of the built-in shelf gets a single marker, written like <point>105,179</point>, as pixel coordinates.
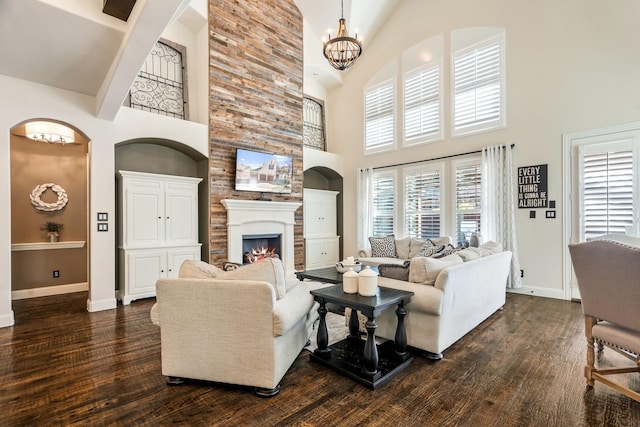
<point>43,246</point>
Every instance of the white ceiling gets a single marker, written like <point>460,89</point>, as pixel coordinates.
<point>71,44</point>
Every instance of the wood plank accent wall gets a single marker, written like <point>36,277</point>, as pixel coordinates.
<point>255,101</point>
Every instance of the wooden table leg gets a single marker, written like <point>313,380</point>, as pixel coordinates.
<point>323,335</point>
<point>370,348</point>
<point>354,324</point>
<point>400,342</point>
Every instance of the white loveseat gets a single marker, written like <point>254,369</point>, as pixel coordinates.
<point>230,329</point>
<point>449,302</point>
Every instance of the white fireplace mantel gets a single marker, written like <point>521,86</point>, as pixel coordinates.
<point>260,217</point>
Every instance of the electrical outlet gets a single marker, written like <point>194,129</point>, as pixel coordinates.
<point>521,273</point>
<point>56,274</point>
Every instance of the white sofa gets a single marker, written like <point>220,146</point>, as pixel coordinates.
<point>464,294</point>
<point>405,249</point>
<point>229,329</point>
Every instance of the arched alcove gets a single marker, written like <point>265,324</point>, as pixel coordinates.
<point>167,157</point>
<point>49,209</point>
<point>324,178</point>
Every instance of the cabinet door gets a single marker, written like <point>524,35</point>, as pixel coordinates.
<point>331,251</point>
<point>181,213</point>
<point>176,256</point>
<point>313,215</point>
<point>313,254</point>
<point>143,211</point>
<point>145,268</point>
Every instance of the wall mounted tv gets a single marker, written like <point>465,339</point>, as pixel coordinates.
<point>263,172</point>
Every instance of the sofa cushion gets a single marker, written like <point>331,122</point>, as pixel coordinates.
<point>469,254</point>
<point>395,271</point>
<point>402,247</point>
<point>490,248</point>
<point>268,270</point>
<point>425,270</point>
<point>415,246</point>
<point>383,246</point>
<point>196,269</point>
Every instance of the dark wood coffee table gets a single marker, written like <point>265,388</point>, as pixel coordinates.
<point>325,275</point>
<point>364,361</point>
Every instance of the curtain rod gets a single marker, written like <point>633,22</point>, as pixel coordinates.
<point>435,158</point>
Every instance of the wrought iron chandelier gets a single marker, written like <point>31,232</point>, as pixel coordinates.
<point>342,51</point>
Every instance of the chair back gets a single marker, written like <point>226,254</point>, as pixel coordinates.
<point>608,273</point>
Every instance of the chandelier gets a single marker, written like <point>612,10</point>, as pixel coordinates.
<point>342,51</point>
<point>49,132</point>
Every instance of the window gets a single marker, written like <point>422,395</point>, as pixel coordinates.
<point>609,182</point>
<point>478,87</point>
<point>384,202</point>
<point>422,104</point>
<point>468,196</point>
<point>313,133</point>
<point>159,86</point>
<point>379,117</point>
<point>423,201</point>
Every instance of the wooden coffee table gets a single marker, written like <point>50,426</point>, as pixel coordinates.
<point>364,361</point>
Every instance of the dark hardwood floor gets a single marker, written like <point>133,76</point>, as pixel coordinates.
<point>60,365</point>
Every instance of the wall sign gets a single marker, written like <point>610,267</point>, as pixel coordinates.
<point>532,187</point>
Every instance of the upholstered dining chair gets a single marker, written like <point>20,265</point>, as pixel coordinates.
<point>608,273</point>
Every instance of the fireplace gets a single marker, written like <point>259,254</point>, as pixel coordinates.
<point>252,217</point>
<point>258,246</point>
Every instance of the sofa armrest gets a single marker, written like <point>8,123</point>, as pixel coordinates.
<point>365,253</point>
<point>288,311</point>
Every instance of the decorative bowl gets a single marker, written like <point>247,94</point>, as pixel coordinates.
<point>343,268</point>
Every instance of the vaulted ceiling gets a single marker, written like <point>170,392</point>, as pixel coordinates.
<point>74,45</point>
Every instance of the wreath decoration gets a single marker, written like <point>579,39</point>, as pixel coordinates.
<point>48,207</point>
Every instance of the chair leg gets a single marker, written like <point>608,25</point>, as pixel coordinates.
<point>267,392</point>
<point>588,370</point>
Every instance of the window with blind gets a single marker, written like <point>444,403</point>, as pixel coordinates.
<point>478,88</point>
<point>379,117</point>
<point>422,105</point>
<point>609,186</point>
<point>384,202</point>
<point>423,201</point>
<point>468,196</point>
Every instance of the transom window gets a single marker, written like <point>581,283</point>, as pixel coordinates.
<point>379,117</point>
<point>422,104</point>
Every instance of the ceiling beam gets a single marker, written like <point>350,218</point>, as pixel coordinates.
<point>151,17</point>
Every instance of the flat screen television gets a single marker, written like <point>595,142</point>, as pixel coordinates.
<point>263,172</point>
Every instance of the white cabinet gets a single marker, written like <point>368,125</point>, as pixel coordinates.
<point>158,230</point>
<point>322,244</point>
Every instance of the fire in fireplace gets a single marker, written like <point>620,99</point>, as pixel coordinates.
<point>258,246</point>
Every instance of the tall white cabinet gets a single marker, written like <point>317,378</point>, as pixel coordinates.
<point>158,218</point>
<point>322,243</point>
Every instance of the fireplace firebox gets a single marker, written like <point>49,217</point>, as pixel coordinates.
<point>258,246</point>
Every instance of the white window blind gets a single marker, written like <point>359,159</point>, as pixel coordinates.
<point>384,187</point>
<point>609,180</point>
<point>379,117</point>
<point>422,203</point>
<point>468,194</point>
<point>477,82</point>
<point>422,104</point>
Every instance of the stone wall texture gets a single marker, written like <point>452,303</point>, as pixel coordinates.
<point>255,101</point>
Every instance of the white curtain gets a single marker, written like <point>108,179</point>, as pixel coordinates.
<point>499,204</point>
<point>365,215</point>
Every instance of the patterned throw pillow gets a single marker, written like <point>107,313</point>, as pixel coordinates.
<point>450,249</point>
<point>383,246</point>
<point>429,249</point>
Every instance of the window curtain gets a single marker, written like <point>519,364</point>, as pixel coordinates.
<point>499,204</point>
<point>365,215</point>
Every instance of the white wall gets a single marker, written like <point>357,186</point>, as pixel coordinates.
<point>571,65</point>
<point>24,101</point>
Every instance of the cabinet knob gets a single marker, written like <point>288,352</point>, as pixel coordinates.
<point>170,270</point>
<point>161,271</point>
<point>167,217</point>
<point>159,217</point>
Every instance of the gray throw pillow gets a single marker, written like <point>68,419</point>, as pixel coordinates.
<point>395,271</point>
<point>383,246</point>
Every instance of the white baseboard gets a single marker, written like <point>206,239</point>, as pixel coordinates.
<point>103,304</point>
<point>49,290</point>
<point>539,292</point>
<point>7,320</point>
